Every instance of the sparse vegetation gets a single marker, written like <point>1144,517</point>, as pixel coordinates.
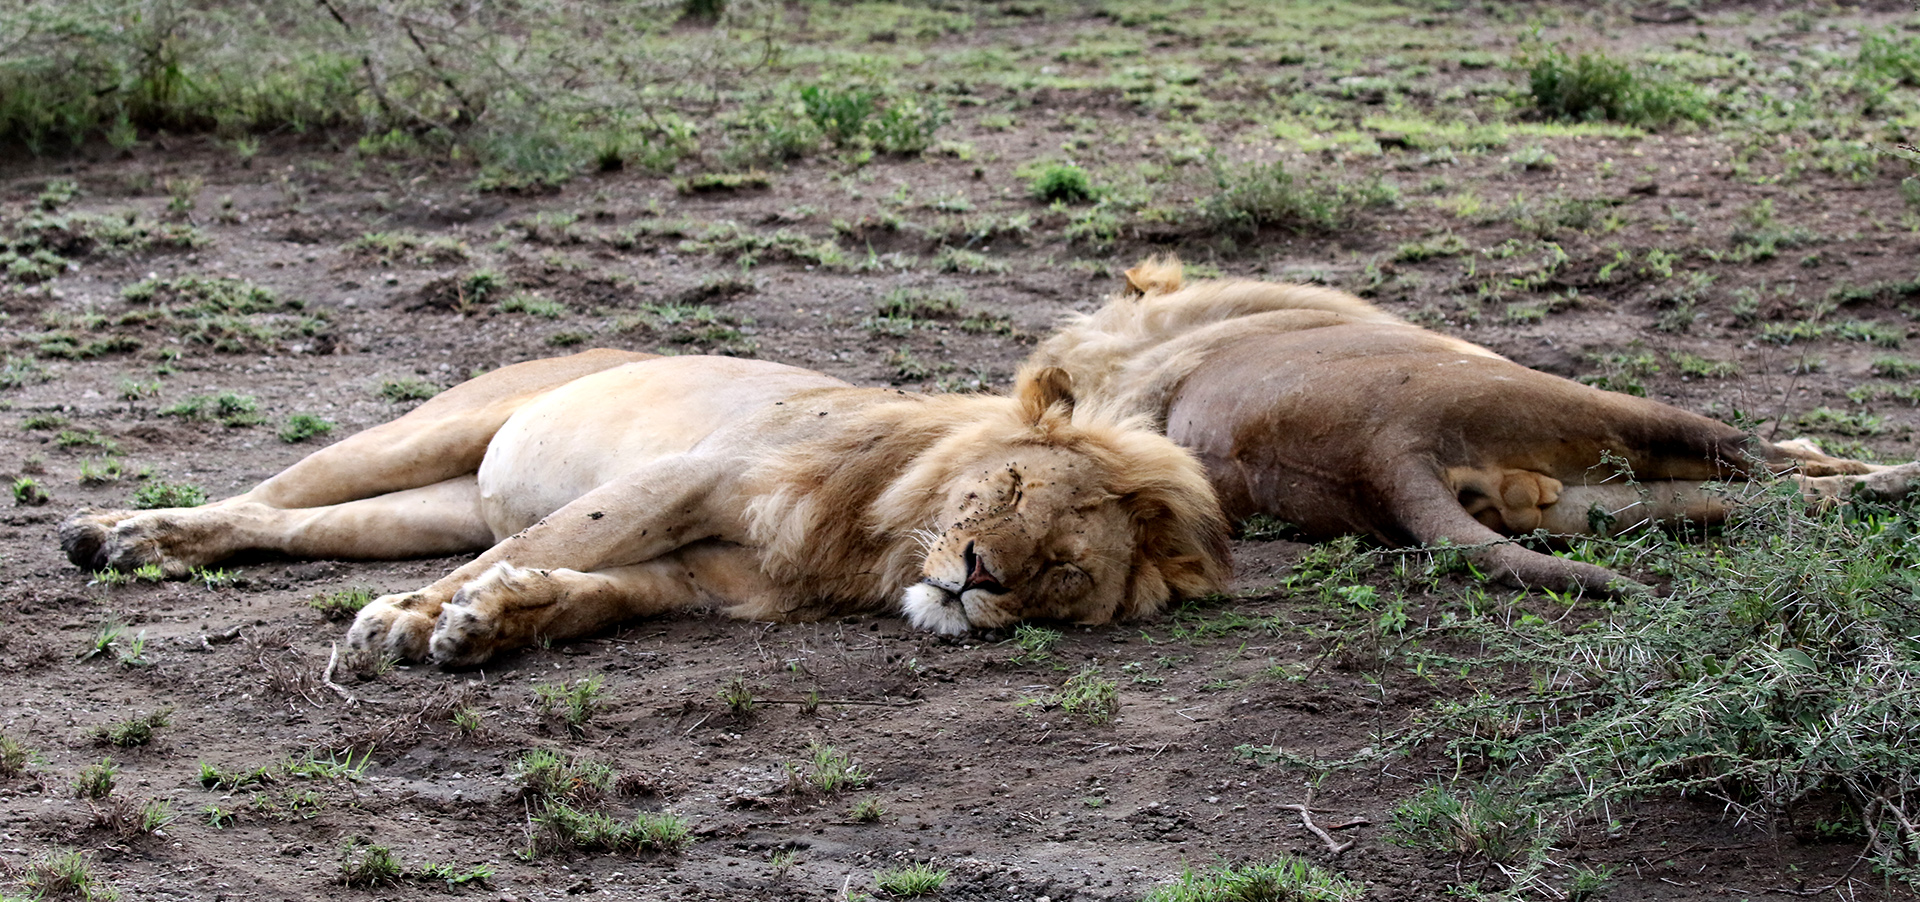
<point>709,177</point>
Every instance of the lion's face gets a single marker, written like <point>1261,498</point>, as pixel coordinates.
<point>1025,533</point>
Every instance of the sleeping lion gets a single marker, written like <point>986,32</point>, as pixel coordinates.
<point>609,485</point>
<point>1315,407</point>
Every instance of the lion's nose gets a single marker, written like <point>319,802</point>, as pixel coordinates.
<point>978,576</point>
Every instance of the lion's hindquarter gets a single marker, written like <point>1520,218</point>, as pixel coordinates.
<point>598,429</point>
<point>1338,429</point>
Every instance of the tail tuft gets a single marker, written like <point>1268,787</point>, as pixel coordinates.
<point>1156,275</point>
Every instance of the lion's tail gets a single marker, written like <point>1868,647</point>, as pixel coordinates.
<point>1156,275</point>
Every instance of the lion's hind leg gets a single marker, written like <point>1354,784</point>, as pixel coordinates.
<point>510,607</point>
<point>442,518</point>
<point>1463,507</point>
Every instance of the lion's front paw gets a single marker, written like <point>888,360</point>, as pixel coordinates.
<point>397,626</point>
<point>500,610</point>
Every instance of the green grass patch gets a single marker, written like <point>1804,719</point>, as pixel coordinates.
<point>1285,879</point>
<point>229,409</point>
<point>155,495</point>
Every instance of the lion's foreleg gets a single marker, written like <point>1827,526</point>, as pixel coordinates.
<point>642,516</point>
<point>512,607</point>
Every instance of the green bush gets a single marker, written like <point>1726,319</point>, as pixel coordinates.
<point>1594,87</point>
<point>1260,195</point>
<point>840,114</point>
<point>1062,182</point>
<point>907,125</point>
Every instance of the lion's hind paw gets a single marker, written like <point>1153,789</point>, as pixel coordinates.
<point>83,538</point>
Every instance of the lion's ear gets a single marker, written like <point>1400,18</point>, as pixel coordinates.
<point>1156,275</point>
<point>1039,390</point>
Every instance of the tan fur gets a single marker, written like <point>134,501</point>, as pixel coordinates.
<point>606,485</point>
<point>1315,407</point>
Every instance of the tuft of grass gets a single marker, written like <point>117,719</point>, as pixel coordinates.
<point>135,731</point>
<point>1891,367</point>
<point>154,495</point>
<point>1285,879</point>
<point>96,781</point>
<point>533,305</point>
<point>912,880</point>
<point>1036,643</point>
<point>342,605</point>
<point>960,260</point>
<point>86,438</point>
<point>303,426</point>
<point>363,864</point>
<point>28,493</point>
<point>213,776</point>
<point>738,697</point>
<point>548,776</point>
<point>1086,695</point>
<point>573,703</point>
<point>562,826</point>
<point>868,810</point>
<point>831,771</point>
<point>1477,822</point>
<point>14,757</point>
<point>65,875</point>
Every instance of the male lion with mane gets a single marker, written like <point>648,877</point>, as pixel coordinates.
<point>1315,407</point>
<point>609,485</point>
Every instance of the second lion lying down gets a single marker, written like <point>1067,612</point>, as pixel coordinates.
<point>610,485</point>
<point>1315,407</point>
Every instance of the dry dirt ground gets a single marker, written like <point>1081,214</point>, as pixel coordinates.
<point>970,767</point>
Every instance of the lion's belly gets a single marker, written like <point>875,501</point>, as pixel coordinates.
<point>599,427</point>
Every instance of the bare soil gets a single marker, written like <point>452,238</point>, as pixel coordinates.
<point>1020,800</point>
